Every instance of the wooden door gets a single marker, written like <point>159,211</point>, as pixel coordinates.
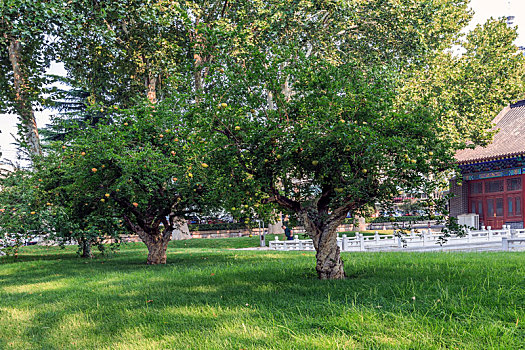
<point>495,213</point>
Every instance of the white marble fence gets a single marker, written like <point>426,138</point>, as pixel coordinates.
<point>504,239</point>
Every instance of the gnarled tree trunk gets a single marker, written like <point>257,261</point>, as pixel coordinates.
<point>157,247</point>
<point>156,241</point>
<point>324,235</point>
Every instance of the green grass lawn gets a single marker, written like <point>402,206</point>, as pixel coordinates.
<point>212,297</point>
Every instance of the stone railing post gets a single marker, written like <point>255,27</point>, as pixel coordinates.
<point>505,243</point>
<point>489,235</point>
<point>361,242</point>
<point>343,243</point>
<point>376,237</point>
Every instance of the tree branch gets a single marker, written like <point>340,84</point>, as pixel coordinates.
<point>282,200</point>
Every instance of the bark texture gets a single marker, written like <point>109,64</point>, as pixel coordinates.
<point>23,104</point>
<point>152,88</point>
<point>155,238</point>
<point>324,235</point>
<point>156,250</point>
<point>86,248</point>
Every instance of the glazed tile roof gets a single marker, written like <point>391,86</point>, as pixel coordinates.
<point>508,141</point>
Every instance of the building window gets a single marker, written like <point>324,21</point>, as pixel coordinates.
<point>499,206</point>
<point>494,186</point>
<point>476,187</point>
<point>490,207</point>
<point>480,208</point>
<point>511,209</point>
<point>514,184</point>
<point>518,206</point>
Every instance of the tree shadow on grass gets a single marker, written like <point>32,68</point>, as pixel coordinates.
<point>204,293</point>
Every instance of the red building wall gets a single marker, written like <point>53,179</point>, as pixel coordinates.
<point>498,201</point>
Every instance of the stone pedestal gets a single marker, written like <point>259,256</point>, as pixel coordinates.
<point>361,224</point>
<point>277,227</point>
<point>181,230</point>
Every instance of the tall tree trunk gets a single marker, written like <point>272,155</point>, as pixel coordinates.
<point>152,88</point>
<point>23,104</point>
<point>197,75</point>
<point>324,235</point>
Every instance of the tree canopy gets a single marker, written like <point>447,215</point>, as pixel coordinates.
<point>318,108</point>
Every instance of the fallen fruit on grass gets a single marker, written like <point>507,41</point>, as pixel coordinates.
<point>315,162</point>
<point>135,204</point>
<point>94,170</point>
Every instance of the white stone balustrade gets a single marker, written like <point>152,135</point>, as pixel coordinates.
<point>425,238</point>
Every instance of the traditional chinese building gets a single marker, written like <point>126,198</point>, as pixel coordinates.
<point>493,176</point>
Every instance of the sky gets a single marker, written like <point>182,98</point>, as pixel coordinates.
<point>483,10</point>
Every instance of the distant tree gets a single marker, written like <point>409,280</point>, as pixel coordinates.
<point>468,89</point>
<point>73,112</point>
